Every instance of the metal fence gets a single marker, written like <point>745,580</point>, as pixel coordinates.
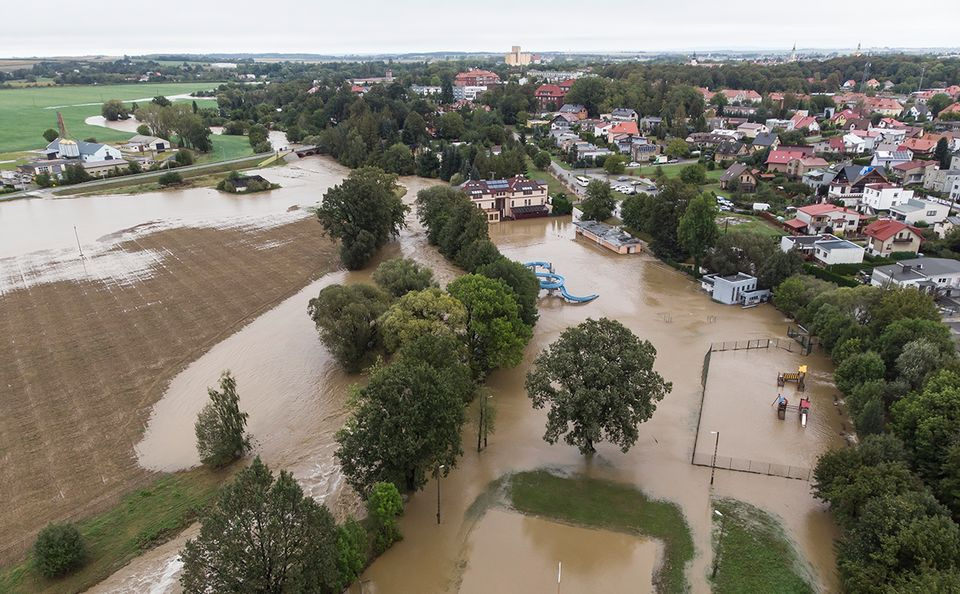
<point>800,473</point>
<point>755,343</point>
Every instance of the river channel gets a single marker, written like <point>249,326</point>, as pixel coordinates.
<point>296,397</point>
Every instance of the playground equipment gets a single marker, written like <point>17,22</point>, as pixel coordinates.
<point>783,405</point>
<point>798,377</point>
<point>550,281</point>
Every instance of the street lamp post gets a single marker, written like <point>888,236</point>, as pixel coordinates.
<point>440,467</point>
<point>716,557</point>
<point>713,465</point>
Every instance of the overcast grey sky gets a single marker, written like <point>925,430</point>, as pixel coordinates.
<point>370,26</point>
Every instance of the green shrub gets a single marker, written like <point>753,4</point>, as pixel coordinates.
<point>383,507</point>
<point>170,178</point>
<point>58,550</point>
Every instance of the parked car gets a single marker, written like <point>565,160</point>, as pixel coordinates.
<point>633,164</point>
<point>622,178</point>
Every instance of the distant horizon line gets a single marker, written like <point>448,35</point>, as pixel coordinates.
<point>295,54</point>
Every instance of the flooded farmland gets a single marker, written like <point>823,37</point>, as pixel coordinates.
<point>296,398</point>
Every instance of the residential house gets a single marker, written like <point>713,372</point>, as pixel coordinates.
<point>574,109</point>
<point>549,97</point>
<point>468,93</point>
<point>803,121</point>
<point>778,160</point>
<point>745,177</point>
<point>881,197</point>
<point>476,77</point>
<point>818,219</point>
<point>818,178</point>
<point>514,198</point>
<point>650,123</point>
<point>777,124</point>
<point>886,236</point>
<point>922,148</point>
<point>890,159</point>
<point>919,112</point>
<point>703,140</point>
<point>623,114</point>
<point>883,105</point>
<point>563,121</point>
<point>642,153</point>
<point>946,226</point>
<point>622,128</point>
<point>930,275</point>
<point>912,172</point>
<point>915,211</point>
<point>940,180</point>
<point>142,144</point>
<point>766,140</point>
<point>750,129</point>
<point>798,167</point>
<point>739,288</point>
<point>837,251</point>
<point>849,182</point>
<point>730,150</point>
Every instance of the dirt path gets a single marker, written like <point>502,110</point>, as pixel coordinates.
<point>82,363</point>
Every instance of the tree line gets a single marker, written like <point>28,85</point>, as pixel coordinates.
<point>895,494</point>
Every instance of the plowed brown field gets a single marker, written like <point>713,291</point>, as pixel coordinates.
<point>81,363</point>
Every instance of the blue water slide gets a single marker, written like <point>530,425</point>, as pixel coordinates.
<point>552,281</point>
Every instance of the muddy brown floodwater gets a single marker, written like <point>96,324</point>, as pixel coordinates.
<point>296,397</point>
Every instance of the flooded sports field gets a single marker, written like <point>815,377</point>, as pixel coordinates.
<point>296,397</point>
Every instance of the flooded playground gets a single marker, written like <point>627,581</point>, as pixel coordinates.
<point>296,397</point>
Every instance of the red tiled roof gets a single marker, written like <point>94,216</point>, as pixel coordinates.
<point>824,208</point>
<point>795,223</point>
<point>625,128</point>
<point>918,145</point>
<point>783,157</point>
<point>549,91</point>
<point>913,164</point>
<point>884,229</point>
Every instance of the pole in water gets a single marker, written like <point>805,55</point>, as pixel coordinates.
<point>78,240</point>
<point>559,574</point>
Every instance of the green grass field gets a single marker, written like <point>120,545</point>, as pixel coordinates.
<point>140,521</point>
<point>26,113</point>
<point>755,555</point>
<point>736,222</point>
<point>602,504</point>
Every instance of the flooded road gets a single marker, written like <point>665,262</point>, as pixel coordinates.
<point>281,361</point>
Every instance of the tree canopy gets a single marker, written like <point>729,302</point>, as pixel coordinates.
<point>697,230</point>
<point>363,212</point>
<point>345,317</point>
<point>430,312</point>
<point>599,203</point>
<point>406,423</point>
<point>399,276</point>
<point>295,539</point>
<point>599,384</point>
<point>221,426</point>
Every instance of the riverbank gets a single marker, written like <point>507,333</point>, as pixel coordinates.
<point>102,348</point>
<point>141,520</point>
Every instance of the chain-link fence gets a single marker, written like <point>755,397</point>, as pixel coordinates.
<point>801,473</point>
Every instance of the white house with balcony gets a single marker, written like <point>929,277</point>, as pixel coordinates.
<point>881,197</point>
<point>915,211</point>
<point>929,275</point>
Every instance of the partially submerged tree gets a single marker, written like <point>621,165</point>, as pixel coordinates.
<point>399,276</point>
<point>430,312</point>
<point>263,535</point>
<point>495,334</point>
<point>363,212</point>
<point>521,280</point>
<point>406,424</point>
<point>221,426</point>
<point>346,317</point>
<point>697,231</point>
<point>599,384</point>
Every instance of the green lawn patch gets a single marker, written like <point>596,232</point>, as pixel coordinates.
<point>604,504</point>
<point>728,221</point>
<point>27,112</point>
<point>755,555</point>
<point>140,521</point>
